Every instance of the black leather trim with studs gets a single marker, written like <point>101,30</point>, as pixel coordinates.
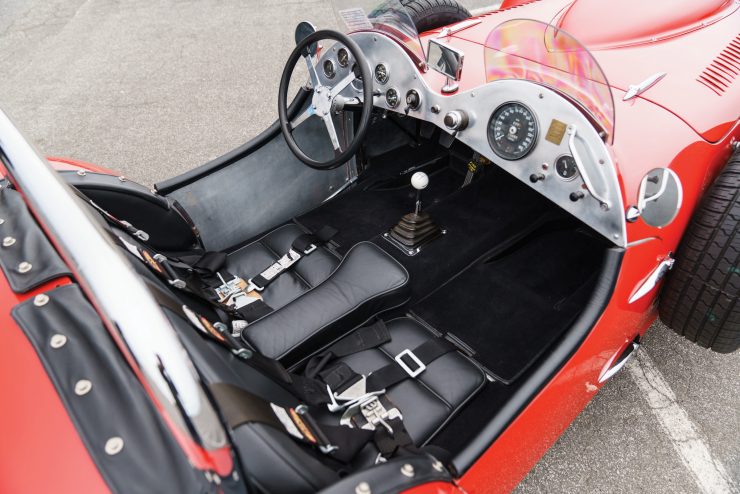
<point>26,256</point>
<point>124,434</point>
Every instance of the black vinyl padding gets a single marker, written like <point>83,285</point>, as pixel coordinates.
<point>116,405</point>
<point>366,282</point>
<point>29,244</point>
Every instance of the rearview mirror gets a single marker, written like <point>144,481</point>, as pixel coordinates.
<point>659,198</point>
<point>303,30</point>
<point>447,61</point>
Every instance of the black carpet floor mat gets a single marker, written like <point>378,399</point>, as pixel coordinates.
<point>510,307</point>
<point>375,205</point>
<point>486,215</point>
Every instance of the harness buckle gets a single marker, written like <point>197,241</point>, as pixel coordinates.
<point>420,365</point>
<point>310,249</point>
<point>374,413</point>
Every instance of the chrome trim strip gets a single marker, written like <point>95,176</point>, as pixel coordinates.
<point>118,293</point>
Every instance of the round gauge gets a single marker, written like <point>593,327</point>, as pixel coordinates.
<point>382,74</point>
<point>343,57</point>
<point>329,69</point>
<point>512,131</point>
<point>391,97</point>
<point>566,168</point>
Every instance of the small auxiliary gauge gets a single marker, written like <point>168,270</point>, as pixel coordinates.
<point>343,57</point>
<point>392,97</point>
<point>381,72</point>
<point>566,168</point>
<point>329,69</point>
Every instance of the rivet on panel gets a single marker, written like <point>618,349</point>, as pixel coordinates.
<point>437,465</point>
<point>363,488</point>
<point>82,387</point>
<point>122,178</point>
<point>58,341</point>
<point>2,220</point>
<point>407,469</point>
<point>24,267</point>
<point>40,300</point>
<point>114,445</point>
<point>81,173</point>
<point>8,241</point>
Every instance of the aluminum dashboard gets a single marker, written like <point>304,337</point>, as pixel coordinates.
<point>563,130</point>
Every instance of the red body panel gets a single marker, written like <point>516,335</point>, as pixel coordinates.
<point>669,126</point>
<point>40,445</point>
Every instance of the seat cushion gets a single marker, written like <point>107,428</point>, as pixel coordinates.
<point>428,401</point>
<point>311,270</point>
<point>367,281</point>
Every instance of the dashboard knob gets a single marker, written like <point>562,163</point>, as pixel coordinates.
<point>413,100</point>
<point>577,196</point>
<point>536,177</point>
<point>456,120</point>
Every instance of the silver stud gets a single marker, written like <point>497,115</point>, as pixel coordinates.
<point>122,178</point>
<point>81,173</point>
<point>114,445</point>
<point>216,479</point>
<point>8,241</point>
<point>82,387</point>
<point>2,221</point>
<point>58,341</point>
<point>407,469</point>
<point>363,488</point>
<point>24,267</point>
<point>437,465</point>
<point>40,300</point>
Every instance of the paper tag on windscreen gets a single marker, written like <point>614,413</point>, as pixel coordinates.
<point>355,19</point>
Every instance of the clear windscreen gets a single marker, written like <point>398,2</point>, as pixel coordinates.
<point>388,17</point>
<point>541,53</point>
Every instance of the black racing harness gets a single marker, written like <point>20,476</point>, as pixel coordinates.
<point>368,414</point>
<point>204,274</point>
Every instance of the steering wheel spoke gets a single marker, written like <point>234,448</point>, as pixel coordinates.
<point>312,74</point>
<point>302,117</point>
<point>342,84</point>
<point>332,134</point>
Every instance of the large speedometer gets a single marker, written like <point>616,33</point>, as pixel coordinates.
<point>512,131</point>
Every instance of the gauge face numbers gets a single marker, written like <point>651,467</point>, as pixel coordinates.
<point>329,69</point>
<point>343,57</point>
<point>512,131</point>
<point>392,97</point>
<point>566,167</point>
<point>381,72</point>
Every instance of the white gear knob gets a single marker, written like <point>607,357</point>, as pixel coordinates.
<point>419,180</point>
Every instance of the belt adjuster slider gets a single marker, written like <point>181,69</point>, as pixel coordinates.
<point>412,373</point>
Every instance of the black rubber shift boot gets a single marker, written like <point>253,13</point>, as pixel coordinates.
<point>414,230</point>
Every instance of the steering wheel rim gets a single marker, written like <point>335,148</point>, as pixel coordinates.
<point>287,125</point>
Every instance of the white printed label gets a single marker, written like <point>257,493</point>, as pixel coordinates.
<point>355,19</point>
<point>283,416</point>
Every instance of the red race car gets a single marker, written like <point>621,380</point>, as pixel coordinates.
<point>413,281</point>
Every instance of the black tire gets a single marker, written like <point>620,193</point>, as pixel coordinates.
<point>699,300</point>
<point>433,14</point>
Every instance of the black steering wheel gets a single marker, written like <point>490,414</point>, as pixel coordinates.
<point>325,99</point>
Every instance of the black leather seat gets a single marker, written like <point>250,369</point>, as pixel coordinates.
<point>278,463</point>
<point>321,297</point>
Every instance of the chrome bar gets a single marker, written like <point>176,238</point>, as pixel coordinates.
<point>124,303</point>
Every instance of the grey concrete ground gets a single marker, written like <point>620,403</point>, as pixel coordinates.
<point>153,88</point>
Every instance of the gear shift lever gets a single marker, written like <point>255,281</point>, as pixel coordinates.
<point>415,228</point>
<point>419,181</point>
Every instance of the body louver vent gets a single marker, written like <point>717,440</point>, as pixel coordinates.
<point>722,72</point>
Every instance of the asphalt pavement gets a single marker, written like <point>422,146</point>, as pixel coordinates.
<point>154,88</point>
